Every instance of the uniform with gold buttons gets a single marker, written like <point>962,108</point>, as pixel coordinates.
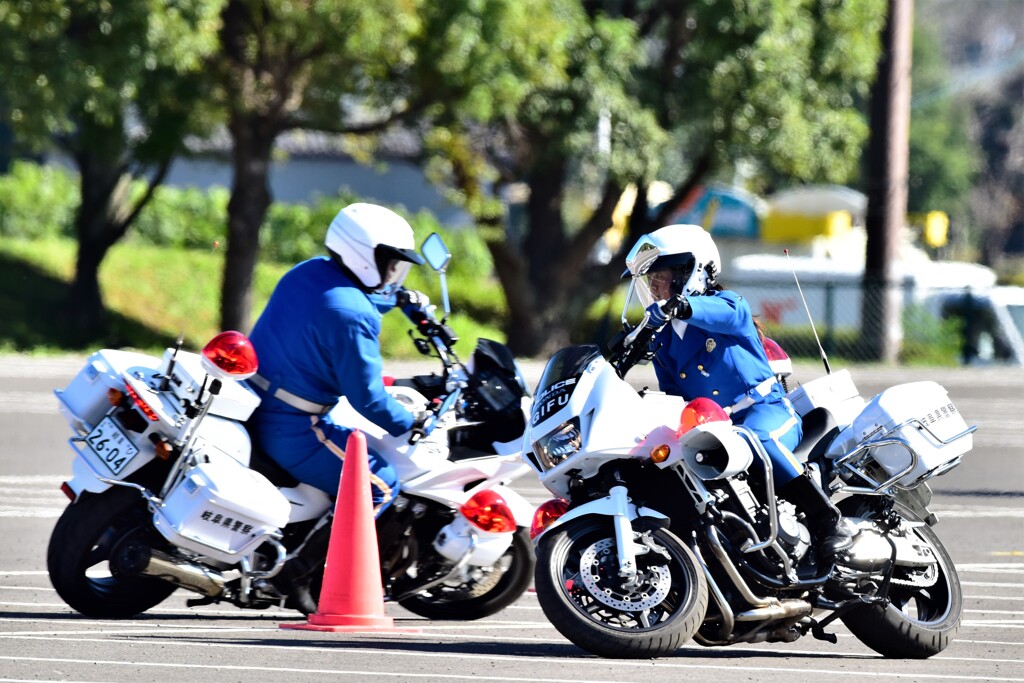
<point>717,353</point>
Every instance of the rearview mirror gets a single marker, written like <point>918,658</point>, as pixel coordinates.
<point>435,251</point>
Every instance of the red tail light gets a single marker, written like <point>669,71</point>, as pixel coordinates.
<point>773,350</point>
<point>700,411</point>
<point>230,355</point>
<point>547,514</point>
<point>778,359</point>
<point>140,404</point>
<point>488,511</point>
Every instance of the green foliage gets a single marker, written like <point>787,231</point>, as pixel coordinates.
<point>67,62</point>
<point>37,201</point>
<point>155,293</point>
<point>942,159</point>
<point>927,340</point>
<point>776,83</point>
<point>187,218</point>
<point>166,277</point>
<point>930,341</point>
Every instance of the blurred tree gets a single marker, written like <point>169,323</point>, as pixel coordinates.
<point>997,199</point>
<point>885,181</point>
<point>285,65</point>
<point>114,86</point>
<point>943,160</point>
<point>697,87</point>
<point>355,68</point>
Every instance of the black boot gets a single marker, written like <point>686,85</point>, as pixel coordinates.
<point>296,576</point>
<point>294,581</point>
<point>826,521</point>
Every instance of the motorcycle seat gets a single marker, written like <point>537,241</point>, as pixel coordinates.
<point>819,430</point>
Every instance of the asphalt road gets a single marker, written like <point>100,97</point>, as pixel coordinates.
<point>980,505</point>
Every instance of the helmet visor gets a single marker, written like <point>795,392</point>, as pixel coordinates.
<point>668,276</point>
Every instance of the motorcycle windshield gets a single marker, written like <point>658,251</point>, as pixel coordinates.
<point>569,362</point>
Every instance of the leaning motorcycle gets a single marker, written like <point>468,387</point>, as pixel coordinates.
<point>168,489</point>
<point>667,526</point>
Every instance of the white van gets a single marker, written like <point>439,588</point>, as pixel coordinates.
<point>994,316</point>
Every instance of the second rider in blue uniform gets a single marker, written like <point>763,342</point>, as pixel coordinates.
<point>712,348</point>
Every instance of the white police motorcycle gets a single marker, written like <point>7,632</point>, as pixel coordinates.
<point>167,490</point>
<point>667,527</point>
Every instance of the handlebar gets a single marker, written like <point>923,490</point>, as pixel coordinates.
<point>437,340</point>
<point>436,411</point>
<point>420,313</point>
<point>628,348</point>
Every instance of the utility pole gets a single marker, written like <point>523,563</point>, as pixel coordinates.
<point>887,172</point>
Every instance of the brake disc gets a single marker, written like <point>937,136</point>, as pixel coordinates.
<point>599,573</point>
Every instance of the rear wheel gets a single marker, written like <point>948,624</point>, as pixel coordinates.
<point>80,549</point>
<point>923,615</point>
<point>582,594</point>
<point>481,591</point>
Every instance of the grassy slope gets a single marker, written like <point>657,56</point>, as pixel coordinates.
<point>154,294</point>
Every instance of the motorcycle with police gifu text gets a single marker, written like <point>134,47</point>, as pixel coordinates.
<point>667,526</point>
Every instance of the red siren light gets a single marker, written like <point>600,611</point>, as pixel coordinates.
<point>700,411</point>
<point>230,355</point>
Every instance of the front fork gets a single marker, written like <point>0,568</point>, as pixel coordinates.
<point>625,547</point>
<point>622,514</point>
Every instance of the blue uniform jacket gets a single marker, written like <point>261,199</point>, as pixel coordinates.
<point>318,337</point>
<point>719,356</point>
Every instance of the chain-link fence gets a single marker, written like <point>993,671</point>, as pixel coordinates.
<point>944,326</point>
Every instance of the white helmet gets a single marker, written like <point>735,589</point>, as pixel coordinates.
<point>687,250</point>
<point>374,243</point>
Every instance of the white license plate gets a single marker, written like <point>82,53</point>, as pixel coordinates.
<point>111,445</point>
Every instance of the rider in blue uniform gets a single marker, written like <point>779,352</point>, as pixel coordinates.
<point>712,348</point>
<point>317,341</point>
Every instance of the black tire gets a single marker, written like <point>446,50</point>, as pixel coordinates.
<point>919,621</point>
<point>488,593</point>
<point>82,541</point>
<point>678,605</point>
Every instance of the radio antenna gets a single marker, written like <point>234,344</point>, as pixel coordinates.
<point>821,349</point>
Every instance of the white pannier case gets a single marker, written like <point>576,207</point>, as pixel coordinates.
<point>919,432</point>
<point>222,510</point>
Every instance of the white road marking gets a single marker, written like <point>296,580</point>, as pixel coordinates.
<point>395,653</point>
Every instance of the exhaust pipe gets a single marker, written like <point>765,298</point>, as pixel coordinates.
<point>140,560</point>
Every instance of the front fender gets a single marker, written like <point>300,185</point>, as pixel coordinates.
<point>601,507</point>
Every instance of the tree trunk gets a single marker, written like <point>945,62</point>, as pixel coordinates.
<point>888,151</point>
<point>253,140</point>
<point>99,223</point>
<point>537,278</point>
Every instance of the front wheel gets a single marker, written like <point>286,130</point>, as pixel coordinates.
<point>79,554</point>
<point>481,591</point>
<point>925,604</point>
<point>583,596</point>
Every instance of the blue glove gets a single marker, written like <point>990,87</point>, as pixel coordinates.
<point>656,318</point>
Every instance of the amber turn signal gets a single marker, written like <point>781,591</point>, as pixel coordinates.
<point>660,453</point>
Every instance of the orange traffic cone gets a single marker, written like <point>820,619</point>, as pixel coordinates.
<point>352,596</point>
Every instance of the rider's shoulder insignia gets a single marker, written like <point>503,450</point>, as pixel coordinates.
<point>710,344</point>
